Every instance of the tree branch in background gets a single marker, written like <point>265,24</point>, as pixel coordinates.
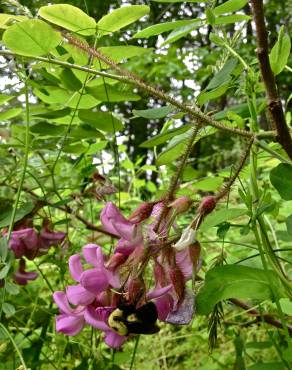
<point>274,102</point>
<point>268,318</point>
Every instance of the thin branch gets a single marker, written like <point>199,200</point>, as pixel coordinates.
<point>274,102</point>
<point>268,318</point>
<point>265,134</point>
<point>193,112</point>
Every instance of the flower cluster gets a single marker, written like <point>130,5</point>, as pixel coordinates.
<point>26,242</point>
<point>117,281</point>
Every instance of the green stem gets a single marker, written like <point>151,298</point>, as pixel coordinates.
<point>15,346</point>
<point>134,352</point>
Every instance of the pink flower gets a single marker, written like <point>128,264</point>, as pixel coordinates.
<point>22,277</point>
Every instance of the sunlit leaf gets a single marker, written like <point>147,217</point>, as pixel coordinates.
<point>222,215</point>
<point>10,113</point>
<point>69,17</point>
<point>180,32</point>
<point>227,19</point>
<point>229,6</point>
<point>121,17</point>
<point>37,38</point>
<point>7,20</point>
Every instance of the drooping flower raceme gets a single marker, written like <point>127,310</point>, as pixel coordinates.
<point>112,282</point>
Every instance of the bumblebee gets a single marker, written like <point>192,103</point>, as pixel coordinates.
<point>127,319</point>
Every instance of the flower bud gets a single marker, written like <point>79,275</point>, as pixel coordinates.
<point>142,212</point>
<point>207,205</point>
<point>181,204</point>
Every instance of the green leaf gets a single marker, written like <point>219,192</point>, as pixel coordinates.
<point>280,52</point>
<point>163,137</point>
<point>69,17</point>
<point>222,215</point>
<point>10,113</point>
<point>56,95</point>
<point>110,93</point>
<point>76,148</point>
<point>229,6</point>
<point>286,305</point>
<point>209,184</point>
<point>121,17</point>
<point>182,31</point>
<point>103,121</point>
<point>23,210</point>
<point>11,289</point>
<point>267,366</point>
<point>224,75</point>
<point>119,53</point>
<point>227,19</point>
<point>180,1</point>
<point>210,16</point>
<point>37,38</point>
<point>170,154</point>
<point>69,80</point>
<point>154,113</point>
<point>8,309</point>
<point>7,20</point>
<point>210,95</point>
<point>217,40</point>
<point>235,281</point>
<point>47,129</point>
<point>5,98</point>
<point>160,28</point>
<point>281,179</point>
<point>4,271</point>
<point>289,224</point>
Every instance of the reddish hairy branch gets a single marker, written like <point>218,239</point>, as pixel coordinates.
<point>268,318</point>
<point>274,102</point>
<point>226,187</point>
<point>193,112</point>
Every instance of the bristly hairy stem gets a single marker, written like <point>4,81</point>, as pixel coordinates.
<point>226,187</point>
<point>193,112</point>
<point>274,102</point>
<point>264,134</point>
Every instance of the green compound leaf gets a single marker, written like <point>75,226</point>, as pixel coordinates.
<point>37,38</point>
<point>281,179</point>
<point>69,17</point>
<point>121,17</point>
<point>235,281</point>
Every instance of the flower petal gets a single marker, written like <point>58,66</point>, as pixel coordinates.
<point>114,340</point>
<point>164,306</point>
<point>158,292</point>
<point>89,253</point>
<point>183,315</point>
<point>75,267</point>
<point>94,280</point>
<point>185,263</point>
<point>69,325</point>
<point>78,295</point>
<point>61,301</point>
<point>97,317</point>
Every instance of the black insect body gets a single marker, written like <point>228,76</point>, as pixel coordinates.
<point>127,319</point>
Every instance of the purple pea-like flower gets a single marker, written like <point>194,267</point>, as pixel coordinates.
<point>21,276</point>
